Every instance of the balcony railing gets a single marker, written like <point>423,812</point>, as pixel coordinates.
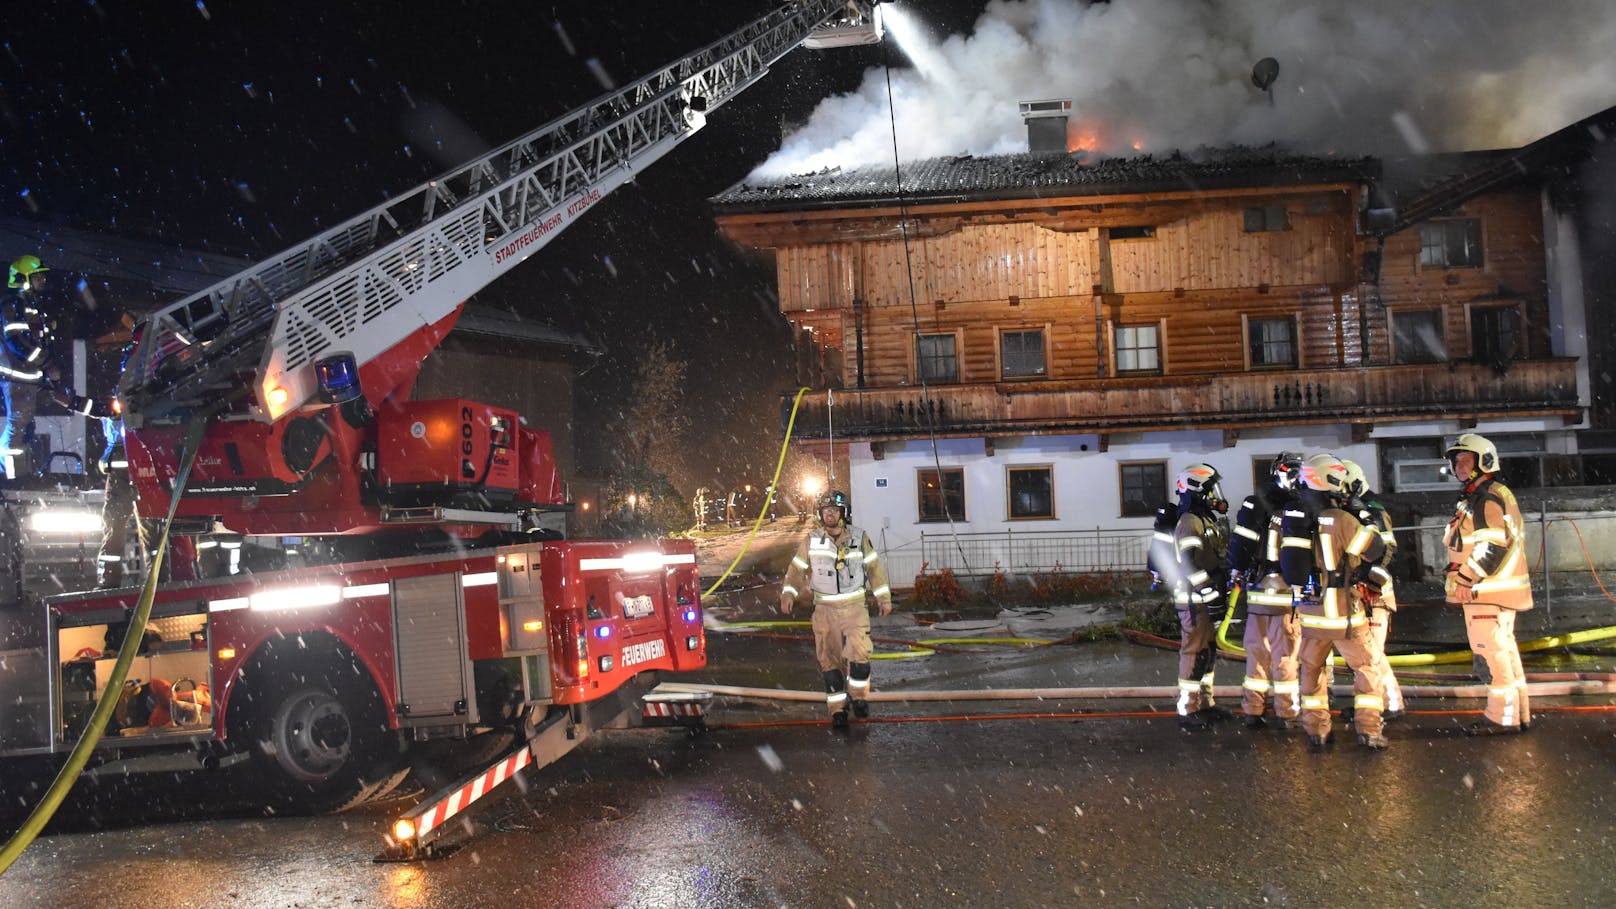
<point>1374,394</point>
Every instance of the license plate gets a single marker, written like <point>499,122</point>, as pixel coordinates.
<point>638,607</point>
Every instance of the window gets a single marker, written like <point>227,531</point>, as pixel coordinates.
<point>942,497</point>
<point>1144,486</point>
<point>936,360</point>
<point>1132,233</point>
<point>1268,217</point>
<point>1272,343</point>
<point>1138,348</point>
<point>1417,336</point>
<point>1032,492</point>
<point>1021,354</point>
<point>1495,335</point>
<point>1455,243</point>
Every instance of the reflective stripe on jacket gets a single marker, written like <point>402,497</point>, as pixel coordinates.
<point>1487,547</point>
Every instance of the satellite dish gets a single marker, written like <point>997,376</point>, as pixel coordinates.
<point>1265,72</point>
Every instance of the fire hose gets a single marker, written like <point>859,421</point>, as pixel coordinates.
<point>768,494</point>
<point>80,755</point>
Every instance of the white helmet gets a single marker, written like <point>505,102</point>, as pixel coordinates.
<point>1325,473</point>
<point>1485,451</point>
<point>1357,483</point>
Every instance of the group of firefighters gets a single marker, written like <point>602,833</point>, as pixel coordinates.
<point>1308,555</point>
<point>1308,558</point>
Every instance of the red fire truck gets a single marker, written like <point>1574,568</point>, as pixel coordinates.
<point>275,406</point>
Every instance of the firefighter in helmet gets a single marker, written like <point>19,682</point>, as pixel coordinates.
<point>27,357</point>
<point>1333,564</point>
<point>1486,576</point>
<point>838,563</point>
<point>1371,512</point>
<point>1272,631</point>
<point>1199,542</point>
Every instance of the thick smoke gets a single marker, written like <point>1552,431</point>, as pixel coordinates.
<point>1367,77</point>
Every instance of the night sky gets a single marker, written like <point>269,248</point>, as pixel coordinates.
<point>246,127</point>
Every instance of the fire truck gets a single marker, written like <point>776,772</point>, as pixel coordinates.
<point>275,406</point>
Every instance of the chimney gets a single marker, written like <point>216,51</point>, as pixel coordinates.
<point>1046,125</point>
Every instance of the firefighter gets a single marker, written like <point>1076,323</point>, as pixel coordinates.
<point>840,566</point>
<point>1200,542</point>
<point>1332,562</point>
<point>1486,575</point>
<point>1272,631</point>
<point>27,357</point>
<point>1371,512</point>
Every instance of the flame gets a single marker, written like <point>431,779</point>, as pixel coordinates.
<point>1082,137</point>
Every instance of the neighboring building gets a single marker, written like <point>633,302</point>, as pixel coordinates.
<point>1040,343</point>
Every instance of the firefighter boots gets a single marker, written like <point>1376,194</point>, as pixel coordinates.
<point>861,709</point>
<point>838,720</point>
<point>1376,742</point>
<point>1488,727</point>
<point>1317,742</point>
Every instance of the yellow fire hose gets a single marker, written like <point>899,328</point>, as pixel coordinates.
<point>768,495</point>
<point>68,775</point>
<point>1549,642</point>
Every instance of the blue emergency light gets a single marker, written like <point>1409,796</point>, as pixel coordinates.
<point>338,375</point>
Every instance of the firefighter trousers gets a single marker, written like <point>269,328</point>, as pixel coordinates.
<point>1357,647</point>
<point>1271,643</point>
<point>1380,621</point>
<point>1491,630</point>
<point>1195,658</point>
<point>841,638</point>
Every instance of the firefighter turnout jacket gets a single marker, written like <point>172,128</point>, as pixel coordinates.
<point>1254,551</point>
<point>1201,543</point>
<point>1487,547</point>
<point>1325,554</point>
<point>838,569</point>
<point>29,336</point>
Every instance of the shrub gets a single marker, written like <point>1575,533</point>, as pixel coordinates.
<point>938,591</point>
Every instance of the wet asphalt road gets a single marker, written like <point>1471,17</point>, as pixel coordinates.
<point>771,808</point>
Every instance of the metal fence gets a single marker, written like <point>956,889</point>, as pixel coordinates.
<point>1030,551</point>
<point>1569,553</point>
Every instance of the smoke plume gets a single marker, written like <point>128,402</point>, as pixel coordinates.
<point>1381,77</point>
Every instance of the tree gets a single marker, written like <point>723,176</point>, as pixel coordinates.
<point>654,431</point>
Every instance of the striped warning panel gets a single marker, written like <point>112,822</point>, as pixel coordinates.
<point>678,708</point>
<point>457,801</point>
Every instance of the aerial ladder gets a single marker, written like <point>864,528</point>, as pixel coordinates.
<point>303,361</point>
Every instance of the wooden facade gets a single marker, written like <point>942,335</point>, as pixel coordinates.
<point>1196,271</point>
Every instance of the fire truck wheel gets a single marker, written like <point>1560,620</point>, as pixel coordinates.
<point>320,752</point>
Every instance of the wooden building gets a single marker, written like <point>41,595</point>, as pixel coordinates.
<point>1041,342</point>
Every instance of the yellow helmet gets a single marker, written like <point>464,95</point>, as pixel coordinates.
<point>1485,451</point>
<point>21,268</point>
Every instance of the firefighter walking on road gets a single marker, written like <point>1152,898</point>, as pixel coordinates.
<point>1332,562</point>
<point>839,564</point>
<point>1487,576</point>
<point>1200,541</point>
<point>1272,632</point>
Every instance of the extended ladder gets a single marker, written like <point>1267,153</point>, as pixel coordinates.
<point>368,284</point>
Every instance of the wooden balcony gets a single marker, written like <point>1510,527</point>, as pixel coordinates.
<point>1361,396</point>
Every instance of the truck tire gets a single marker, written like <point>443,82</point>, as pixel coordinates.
<point>320,747</point>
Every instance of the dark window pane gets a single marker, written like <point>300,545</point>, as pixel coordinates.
<point>1268,217</point>
<point>1144,486</point>
<point>1273,342</point>
<point>1031,492</point>
<point>1022,353</point>
<point>1417,336</point>
<point>938,363</point>
<point>942,498</point>
<point>1452,243</point>
<point>1495,335</point>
